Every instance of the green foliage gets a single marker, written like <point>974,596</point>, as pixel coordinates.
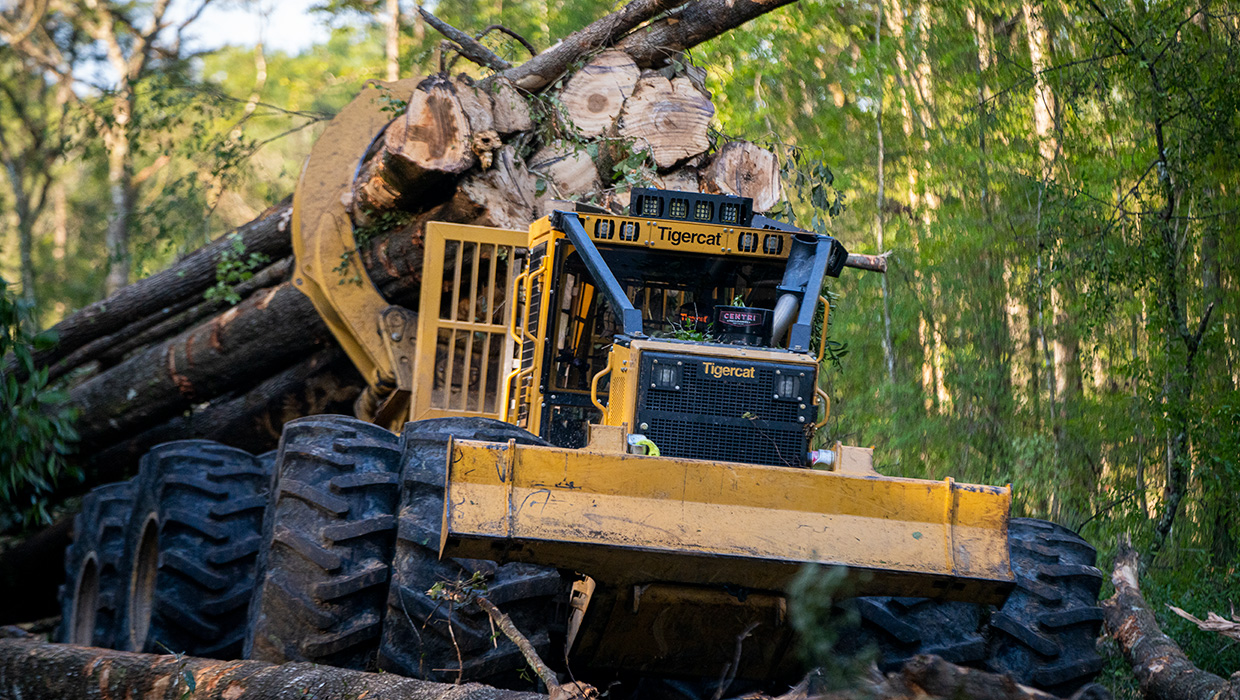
<point>813,610</point>
<point>681,331</point>
<point>379,223</point>
<point>234,267</point>
<point>810,181</point>
<point>390,104</point>
<point>36,429</point>
<point>633,166</point>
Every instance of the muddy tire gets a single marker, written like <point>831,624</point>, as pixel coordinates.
<point>193,536</point>
<point>900,628</point>
<point>92,598</point>
<point>422,636</point>
<point>1045,634</point>
<point>327,544</point>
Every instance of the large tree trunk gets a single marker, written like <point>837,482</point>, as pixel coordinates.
<point>1161,668</point>
<point>243,345</point>
<point>39,671</point>
<point>148,301</point>
<point>36,670</point>
<point>251,418</point>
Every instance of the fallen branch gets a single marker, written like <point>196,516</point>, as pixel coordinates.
<point>542,70</point>
<point>1213,623</point>
<point>466,45</point>
<point>36,670</point>
<point>929,677</point>
<point>1161,668</point>
<point>567,691</point>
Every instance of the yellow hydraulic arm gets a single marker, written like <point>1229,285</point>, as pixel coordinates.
<point>377,336</point>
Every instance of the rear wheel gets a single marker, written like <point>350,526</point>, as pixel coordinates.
<point>327,544</point>
<point>93,596</point>
<point>427,638</point>
<point>193,538</point>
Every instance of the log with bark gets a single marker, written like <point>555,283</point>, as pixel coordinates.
<point>154,299</point>
<point>1161,668</point>
<point>33,669</point>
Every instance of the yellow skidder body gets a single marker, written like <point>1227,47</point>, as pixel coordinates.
<point>672,357</point>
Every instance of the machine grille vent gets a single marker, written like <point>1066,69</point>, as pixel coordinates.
<point>723,418</point>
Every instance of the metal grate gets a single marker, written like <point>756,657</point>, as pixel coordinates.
<point>724,419</point>
<point>693,439</point>
<point>703,396</point>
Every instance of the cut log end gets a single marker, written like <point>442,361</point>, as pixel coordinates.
<point>747,170</point>
<point>595,95</point>
<point>669,117</point>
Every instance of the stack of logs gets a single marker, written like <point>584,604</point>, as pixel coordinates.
<point>156,362</point>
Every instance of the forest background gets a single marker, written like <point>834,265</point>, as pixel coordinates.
<point>1058,183</point>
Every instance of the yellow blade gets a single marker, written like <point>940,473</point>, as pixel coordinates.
<point>627,519</point>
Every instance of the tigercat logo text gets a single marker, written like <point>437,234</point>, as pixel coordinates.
<point>671,235</point>
<point>721,371</point>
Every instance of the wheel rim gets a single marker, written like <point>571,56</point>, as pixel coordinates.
<point>85,604</point>
<point>142,585</point>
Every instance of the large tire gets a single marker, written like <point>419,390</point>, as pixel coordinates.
<point>192,542</point>
<point>427,638</point>
<point>1045,634</point>
<point>328,536</point>
<point>901,628</point>
<point>92,598</point>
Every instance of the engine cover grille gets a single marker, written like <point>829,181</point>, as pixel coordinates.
<point>723,410</point>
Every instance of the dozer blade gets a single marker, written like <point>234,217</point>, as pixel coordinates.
<point>628,520</point>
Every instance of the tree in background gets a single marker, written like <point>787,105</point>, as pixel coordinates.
<point>32,140</point>
<point>138,43</point>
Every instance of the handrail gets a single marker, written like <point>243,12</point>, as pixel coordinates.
<point>509,388</point>
<point>512,324</point>
<point>594,387</point>
<point>826,407</point>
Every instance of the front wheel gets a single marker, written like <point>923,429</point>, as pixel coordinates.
<point>327,544</point>
<point>427,638</point>
<point>1043,635</point>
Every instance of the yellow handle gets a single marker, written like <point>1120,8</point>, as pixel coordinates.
<point>826,406</point>
<point>512,326</point>
<point>594,387</point>
<point>826,316</point>
<point>509,388</point>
